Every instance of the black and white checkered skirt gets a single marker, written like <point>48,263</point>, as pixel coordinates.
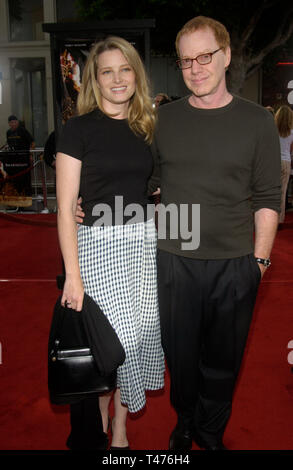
<point>118,269</point>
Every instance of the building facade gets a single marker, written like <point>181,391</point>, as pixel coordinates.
<point>25,66</point>
<point>26,73</point>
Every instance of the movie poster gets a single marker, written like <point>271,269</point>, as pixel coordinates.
<point>72,60</point>
<point>15,179</point>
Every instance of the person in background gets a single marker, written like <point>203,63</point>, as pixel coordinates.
<point>271,110</point>
<point>161,98</point>
<point>284,122</point>
<point>20,141</point>
<point>18,138</point>
<point>102,153</point>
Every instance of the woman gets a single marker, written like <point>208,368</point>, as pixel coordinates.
<point>284,122</point>
<point>102,153</point>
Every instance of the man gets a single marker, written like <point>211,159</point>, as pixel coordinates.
<point>18,138</point>
<point>221,152</point>
<point>20,141</point>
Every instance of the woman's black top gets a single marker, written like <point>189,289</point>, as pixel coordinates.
<point>115,162</point>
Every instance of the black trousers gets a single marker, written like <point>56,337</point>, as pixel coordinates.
<point>86,426</point>
<point>206,308</point>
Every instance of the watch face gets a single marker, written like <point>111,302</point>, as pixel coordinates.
<point>265,262</point>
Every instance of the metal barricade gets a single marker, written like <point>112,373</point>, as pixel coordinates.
<point>42,183</point>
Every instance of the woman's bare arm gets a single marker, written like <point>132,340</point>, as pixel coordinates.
<point>67,183</point>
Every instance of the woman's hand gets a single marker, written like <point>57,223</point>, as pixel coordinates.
<point>79,214</point>
<point>73,293</point>
<point>68,171</point>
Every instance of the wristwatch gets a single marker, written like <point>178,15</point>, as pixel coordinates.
<point>265,262</point>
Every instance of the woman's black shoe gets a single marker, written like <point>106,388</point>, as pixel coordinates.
<point>120,448</point>
<point>202,444</point>
<point>101,443</point>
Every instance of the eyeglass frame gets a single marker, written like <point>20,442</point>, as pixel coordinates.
<point>178,61</point>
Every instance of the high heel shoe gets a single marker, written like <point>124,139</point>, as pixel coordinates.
<point>119,448</point>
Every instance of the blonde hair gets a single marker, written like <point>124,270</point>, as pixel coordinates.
<point>203,22</point>
<point>284,120</point>
<point>141,114</point>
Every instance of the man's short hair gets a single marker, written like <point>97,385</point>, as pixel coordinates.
<point>12,118</point>
<point>203,22</point>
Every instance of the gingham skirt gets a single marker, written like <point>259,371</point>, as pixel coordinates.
<point>118,269</point>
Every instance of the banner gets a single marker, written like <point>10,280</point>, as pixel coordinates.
<point>15,179</point>
<point>278,86</point>
<point>72,61</point>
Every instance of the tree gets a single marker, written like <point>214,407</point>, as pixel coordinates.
<point>256,27</point>
<point>16,9</point>
<point>268,28</point>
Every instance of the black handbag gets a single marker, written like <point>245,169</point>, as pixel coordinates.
<point>73,373</point>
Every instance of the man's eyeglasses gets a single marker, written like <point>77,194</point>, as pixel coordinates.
<point>202,59</point>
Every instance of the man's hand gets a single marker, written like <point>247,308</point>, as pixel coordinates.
<point>156,193</point>
<point>266,223</point>
<point>262,269</point>
<point>79,214</point>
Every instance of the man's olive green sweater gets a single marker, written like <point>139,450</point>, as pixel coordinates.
<point>225,159</point>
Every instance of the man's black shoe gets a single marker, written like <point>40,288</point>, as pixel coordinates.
<point>180,439</point>
<point>202,444</point>
<point>219,446</point>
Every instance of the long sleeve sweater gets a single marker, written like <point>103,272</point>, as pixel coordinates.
<point>227,161</point>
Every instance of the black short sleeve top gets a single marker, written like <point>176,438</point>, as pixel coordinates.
<point>115,162</point>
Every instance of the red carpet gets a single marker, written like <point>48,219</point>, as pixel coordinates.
<point>30,260</point>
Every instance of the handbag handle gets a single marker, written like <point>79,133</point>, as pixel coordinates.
<point>54,351</point>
